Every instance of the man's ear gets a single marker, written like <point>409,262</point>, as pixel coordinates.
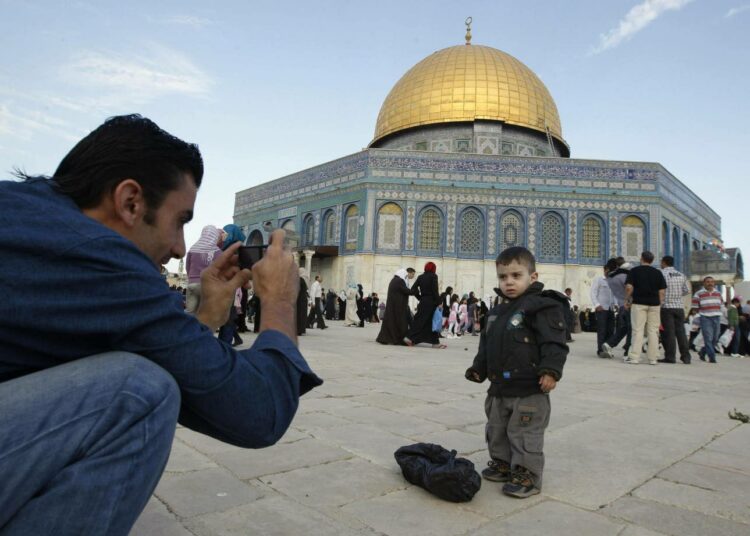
<point>129,203</point>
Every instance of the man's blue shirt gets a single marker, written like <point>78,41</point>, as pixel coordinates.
<point>71,287</point>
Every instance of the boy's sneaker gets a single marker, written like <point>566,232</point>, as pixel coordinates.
<point>607,349</point>
<point>629,361</point>
<point>496,471</point>
<point>521,485</point>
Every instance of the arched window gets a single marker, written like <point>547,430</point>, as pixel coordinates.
<point>308,233</point>
<point>511,230</point>
<point>430,226</point>
<point>352,227</point>
<point>685,254</point>
<point>255,238</point>
<point>665,238</point>
<point>329,228</point>
<point>390,218</point>
<point>592,239</point>
<point>552,243</point>
<point>472,233</point>
<point>633,234</point>
<point>696,245</point>
<point>291,229</point>
<point>676,248</point>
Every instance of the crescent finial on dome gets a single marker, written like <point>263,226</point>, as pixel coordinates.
<point>468,30</point>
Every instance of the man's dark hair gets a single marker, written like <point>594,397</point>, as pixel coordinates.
<point>569,289</point>
<point>411,270</point>
<point>707,277</point>
<point>612,265</point>
<point>620,261</point>
<point>449,290</point>
<point>647,257</point>
<point>668,260</point>
<point>126,147</point>
<point>518,254</point>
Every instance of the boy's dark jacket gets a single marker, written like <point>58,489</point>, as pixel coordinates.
<point>524,339</point>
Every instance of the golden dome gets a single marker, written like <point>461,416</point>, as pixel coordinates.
<point>466,83</point>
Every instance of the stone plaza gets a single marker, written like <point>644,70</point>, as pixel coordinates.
<point>630,451</point>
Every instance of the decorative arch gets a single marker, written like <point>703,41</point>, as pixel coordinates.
<point>512,229</point>
<point>291,227</point>
<point>329,228</point>
<point>551,244</point>
<point>471,233</point>
<point>676,253</point>
<point>592,240</point>
<point>390,226</point>
<point>308,230</point>
<point>632,238</point>
<point>685,254</point>
<point>696,245</point>
<point>430,230</point>
<point>665,238</point>
<point>255,238</point>
<point>351,227</point>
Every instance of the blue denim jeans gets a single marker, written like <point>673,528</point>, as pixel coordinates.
<point>83,445</point>
<point>710,326</point>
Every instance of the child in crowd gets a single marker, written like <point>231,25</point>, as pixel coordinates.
<point>522,351</point>
<point>453,318</point>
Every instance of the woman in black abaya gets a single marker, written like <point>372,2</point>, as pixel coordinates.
<point>425,288</point>
<point>395,324</point>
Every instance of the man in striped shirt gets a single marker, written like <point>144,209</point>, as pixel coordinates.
<point>708,303</point>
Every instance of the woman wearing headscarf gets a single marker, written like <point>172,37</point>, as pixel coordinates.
<point>361,313</point>
<point>228,332</point>
<point>302,299</point>
<point>330,305</point>
<point>395,325</point>
<point>199,256</point>
<point>425,288</point>
<point>352,318</point>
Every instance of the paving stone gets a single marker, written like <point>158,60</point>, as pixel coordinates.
<point>397,423</point>
<point>184,458</point>
<point>385,401</point>
<point>269,516</point>
<point>708,478</point>
<point>292,435</point>
<point>713,503</point>
<point>155,520</point>
<point>204,491</point>
<point>308,422</point>
<point>445,415</point>
<point>329,404</point>
<point>337,483</point>
<point>368,442</point>
<point>672,520</point>
<point>733,442</point>
<point>722,460</point>
<point>414,512</point>
<point>461,442</point>
<point>635,530</point>
<point>552,517</point>
<point>251,463</point>
<point>202,443</point>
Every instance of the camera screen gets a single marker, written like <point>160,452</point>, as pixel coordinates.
<point>249,255</point>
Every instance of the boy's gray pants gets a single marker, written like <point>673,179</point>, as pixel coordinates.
<point>515,431</point>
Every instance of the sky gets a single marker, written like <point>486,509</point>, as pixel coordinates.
<point>268,88</point>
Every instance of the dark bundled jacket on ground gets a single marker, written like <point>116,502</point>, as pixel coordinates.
<point>524,339</point>
<point>438,471</point>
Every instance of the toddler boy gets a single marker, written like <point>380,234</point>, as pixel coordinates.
<point>522,351</point>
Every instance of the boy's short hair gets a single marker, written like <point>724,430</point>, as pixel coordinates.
<point>612,265</point>
<point>668,260</point>
<point>518,254</point>
<point>647,256</point>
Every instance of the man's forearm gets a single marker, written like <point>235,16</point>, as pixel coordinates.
<point>280,317</point>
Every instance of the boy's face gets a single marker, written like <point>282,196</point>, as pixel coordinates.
<point>515,278</point>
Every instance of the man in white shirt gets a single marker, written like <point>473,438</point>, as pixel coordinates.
<point>601,298</point>
<point>316,294</point>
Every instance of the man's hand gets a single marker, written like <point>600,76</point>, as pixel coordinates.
<point>276,282</point>
<point>219,283</point>
<point>547,383</point>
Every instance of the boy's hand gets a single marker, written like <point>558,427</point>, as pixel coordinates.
<point>473,376</point>
<point>547,383</point>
